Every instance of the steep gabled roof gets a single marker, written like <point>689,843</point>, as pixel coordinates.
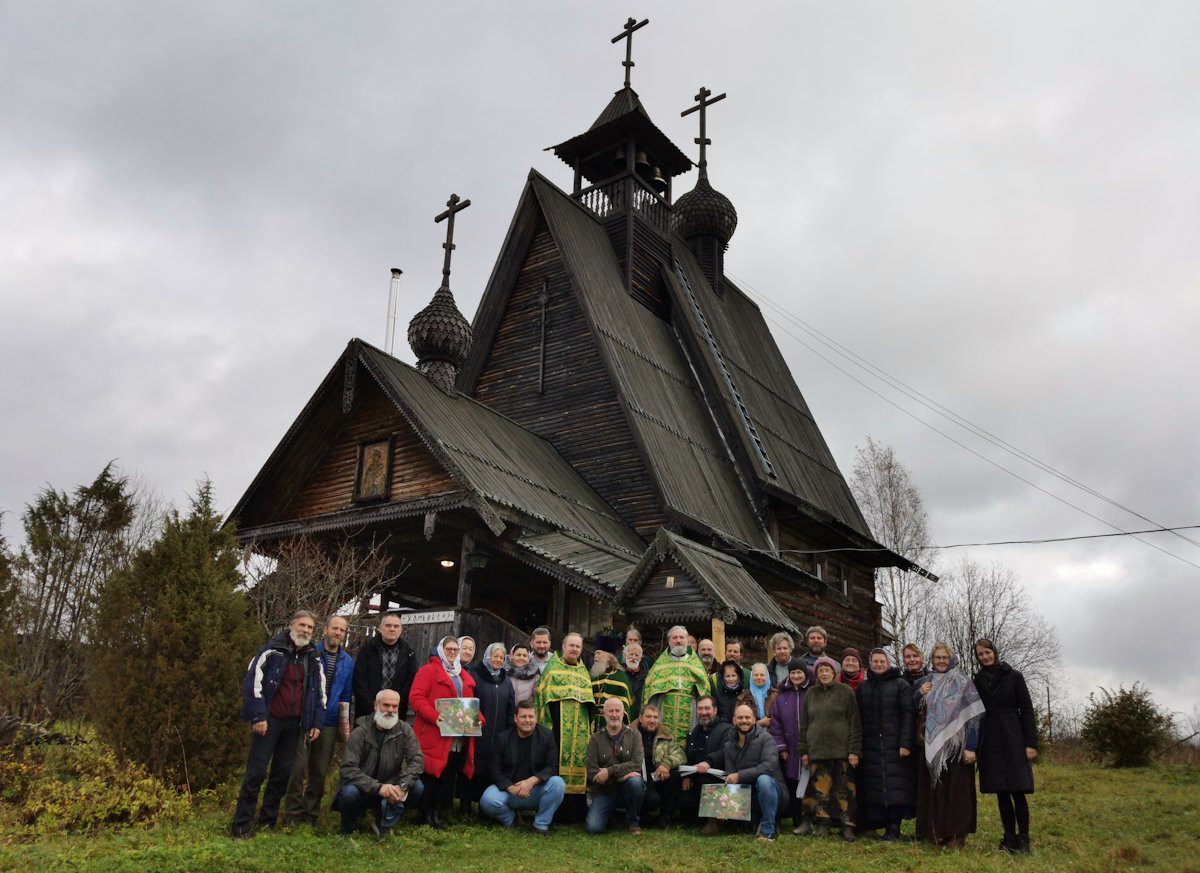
<point>496,463</point>
<point>729,591</point>
<point>681,443</point>
<point>769,415</point>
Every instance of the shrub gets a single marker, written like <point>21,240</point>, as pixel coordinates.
<point>1124,727</point>
<point>81,786</point>
<point>173,638</point>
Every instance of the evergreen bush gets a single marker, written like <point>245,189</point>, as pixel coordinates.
<point>173,638</point>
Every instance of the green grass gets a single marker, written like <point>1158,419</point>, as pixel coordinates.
<point>1085,818</point>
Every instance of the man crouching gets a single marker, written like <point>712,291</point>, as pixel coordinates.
<point>381,768</point>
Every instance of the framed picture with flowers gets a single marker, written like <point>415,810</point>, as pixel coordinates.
<point>725,801</point>
<point>459,716</point>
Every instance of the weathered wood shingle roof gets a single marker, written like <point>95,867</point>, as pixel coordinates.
<point>770,417</point>
<point>729,590</point>
<point>684,449</point>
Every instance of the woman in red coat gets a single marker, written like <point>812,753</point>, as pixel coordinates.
<point>445,757</point>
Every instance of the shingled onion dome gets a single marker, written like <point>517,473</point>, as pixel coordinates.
<point>705,211</point>
<point>440,337</point>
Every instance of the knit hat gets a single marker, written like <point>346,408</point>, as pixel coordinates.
<point>797,664</point>
<point>827,661</point>
<point>852,651</point>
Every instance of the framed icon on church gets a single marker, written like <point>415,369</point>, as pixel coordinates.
<point>374,477</point>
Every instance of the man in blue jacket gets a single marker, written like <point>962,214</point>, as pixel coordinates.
<point>283,697</point>
<point>313,759</point>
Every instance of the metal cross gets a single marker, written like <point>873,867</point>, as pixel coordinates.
<point>702,104</point>
<point>453,205</point>
<point>627,35</point>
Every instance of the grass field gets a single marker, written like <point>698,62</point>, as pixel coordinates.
<point>1085,818</point>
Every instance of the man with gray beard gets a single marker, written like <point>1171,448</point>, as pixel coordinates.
<point>283,696</point>
<point>609,680</point>
<point>675,682</point>
<point>381,768</point>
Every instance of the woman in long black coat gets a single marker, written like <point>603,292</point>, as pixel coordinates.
<point>1007,743</point>
<point>498,706</point>
<point>887,790</point>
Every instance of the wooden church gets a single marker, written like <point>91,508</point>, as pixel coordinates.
<point>615,437</point>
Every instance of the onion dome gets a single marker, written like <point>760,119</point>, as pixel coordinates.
<point>705,211</point>
<point>440,337</point>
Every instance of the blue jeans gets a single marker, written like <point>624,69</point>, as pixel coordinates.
<point>629,794</point>
<point>768,795</point>
<point>352,802</point>
<point>545,798</point>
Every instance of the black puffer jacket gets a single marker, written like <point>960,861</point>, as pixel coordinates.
<point>885,704</point>
<point>1008,726</point>
<point>496,702</point>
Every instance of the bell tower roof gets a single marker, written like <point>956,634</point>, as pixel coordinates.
<point>624,119</point>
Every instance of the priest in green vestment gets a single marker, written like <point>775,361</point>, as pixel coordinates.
<point>565,704</point>
<point>609,680</point>
<point>675,682</point>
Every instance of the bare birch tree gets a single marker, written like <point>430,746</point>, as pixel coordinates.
<point>988,601</point>
<point>320,576</point>
<point>892,505</point>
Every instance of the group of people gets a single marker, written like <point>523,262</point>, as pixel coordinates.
<point>857,744</point>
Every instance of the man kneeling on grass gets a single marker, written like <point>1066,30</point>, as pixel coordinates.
<point>381,768</point>
<point>614,771</point>
<point>751,758</point>
<point>524,773</point>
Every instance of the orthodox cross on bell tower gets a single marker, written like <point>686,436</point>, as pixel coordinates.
<point>453,205</point>
<point>702,104</point>
<point>627,35</point>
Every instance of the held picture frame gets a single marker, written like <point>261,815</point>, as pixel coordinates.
<point>727,802</point>
<point>459,717</point>
<point>373,472</point>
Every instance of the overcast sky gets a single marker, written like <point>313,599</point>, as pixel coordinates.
<point>998,204</point>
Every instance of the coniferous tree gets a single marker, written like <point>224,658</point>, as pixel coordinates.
<point>173,638</point>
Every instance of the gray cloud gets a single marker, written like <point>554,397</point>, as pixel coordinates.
<point>199,207</point>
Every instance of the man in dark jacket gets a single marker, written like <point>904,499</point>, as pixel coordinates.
<point>524,773</point>
<point>751,758</point>
<point>283,696</point>
<point>705,749</point>
<point>381,768</point>
<point>384,661</point>
<point>303,804</point>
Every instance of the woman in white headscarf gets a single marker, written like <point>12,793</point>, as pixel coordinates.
<point>445,757</point>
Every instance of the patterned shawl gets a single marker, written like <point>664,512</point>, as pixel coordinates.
<point>950,706</point>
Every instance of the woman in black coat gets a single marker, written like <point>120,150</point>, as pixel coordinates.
<point>887,790</point>
<point>1007,743</point>
<point>498,706</point>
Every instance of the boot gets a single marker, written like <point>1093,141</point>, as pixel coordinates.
<point>804,828</point>
<point>891,833</point>
<point>711,828</point>
<point>1022,845</point>
<point>848,833</point>
<point>1008,843</point>
<point>822,829</point>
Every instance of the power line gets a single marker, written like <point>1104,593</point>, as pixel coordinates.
<point>981,456</point>
<point>949,414</point>
<point>1035,542</point>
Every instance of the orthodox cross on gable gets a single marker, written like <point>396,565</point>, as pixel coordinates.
<point>627,35</point>
<point>702,104</point>
<point>453,205</point>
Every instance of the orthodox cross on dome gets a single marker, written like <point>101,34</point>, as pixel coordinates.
<point>702,104</point>
<point>453,205</point>
<point>627,35</point>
